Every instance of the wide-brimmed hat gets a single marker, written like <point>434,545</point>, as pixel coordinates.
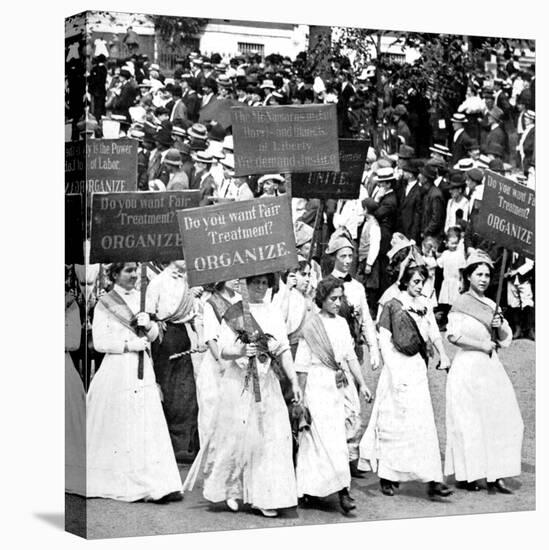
<point>184,150</point>
<point>440,149</point>
<point>398,242</point>
<point>268,83</point>
<point>475,174</point>
<point>172,157</point>
<point>406,152</point>
<point>224,80</point>
<point>496,113</point>
<point>303,233</point>
<point>203,156</point>
<point>496,165</point>
<point>385,174</point>
<point>459,117</point>
<point>464,164</point>
<point>198,131</point>
<point>429,171</point>
<point>414,166</point>
<point>457,180</point>
<point>339,240</point>
<point>133,133</point>
<point>478,257</point>
<point>270,177</point>
<point>180,132</point>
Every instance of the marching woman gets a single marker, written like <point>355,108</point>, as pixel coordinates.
<point>325,344</point>
<point>75,405</point>
<point>483,422</point>
<point>129,452</point>
<point>248,456</point>
<point>401,442</point>
<point>212,366</point>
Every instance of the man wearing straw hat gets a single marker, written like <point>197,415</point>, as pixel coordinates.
<point>497,134</point>
<point>460,138</point>
<point>526,146</point>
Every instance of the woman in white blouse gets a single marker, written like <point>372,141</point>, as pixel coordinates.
<point>129,452</point>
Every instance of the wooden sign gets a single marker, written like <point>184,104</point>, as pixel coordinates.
<point>298,138</point>
<point>235,240</point>
<point>507,214</point>
<point>137,227</point>
<point>74,229</point>
<point>101,166</point>
<point>335,185</point>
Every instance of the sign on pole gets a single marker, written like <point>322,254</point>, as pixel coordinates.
<point>101,166</point>
<point>335,185</point>
<point>235,240</point>
<point>139,226</point>
<point>507,214</point>
<point>298,138</point>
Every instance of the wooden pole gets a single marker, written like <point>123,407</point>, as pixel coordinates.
<point>142,297</point>
<point>317,231</point>
<point>499,291</point>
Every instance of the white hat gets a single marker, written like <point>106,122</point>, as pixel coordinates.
<point>270,177</point>
<point>459,117</point>
<point>228,143</point>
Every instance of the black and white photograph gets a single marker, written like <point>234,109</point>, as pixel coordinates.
<point>299,274</point>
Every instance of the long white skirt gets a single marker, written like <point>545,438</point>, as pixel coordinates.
<point>323,459</point>
<point>75,430</point>
<point>129,452</point>
<point>401,441</point>
<point>249,453</point>
<point>483,421</point>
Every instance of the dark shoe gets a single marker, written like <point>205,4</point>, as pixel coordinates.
<point>531,334</point>
<point>498,486</point>
<point>176,496</point>
<point>437,489</point>
<point>386,487</point>
<point>517,334</point>
<point>468,486</point>
<point>310,500</point>
<point>355,472</point>
<point>346,503</point>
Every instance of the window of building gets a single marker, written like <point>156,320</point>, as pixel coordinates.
<point>250,48</point>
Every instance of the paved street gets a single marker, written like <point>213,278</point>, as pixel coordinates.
<point>108,518</point>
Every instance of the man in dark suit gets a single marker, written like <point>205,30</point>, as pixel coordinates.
<point>410,198</point>
<point>497,134</point>
<point>526,146</point>
<point>386,215</point>
<point>434,210</point>
<point>460,138</point>
<point>402,130</point>
<point>501,100</point>
<point>127,96</point>
<point>190,97</point>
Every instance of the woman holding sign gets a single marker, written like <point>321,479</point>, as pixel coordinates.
<point>483,421</point>
<point>248,457</point>
<point>129,452</point>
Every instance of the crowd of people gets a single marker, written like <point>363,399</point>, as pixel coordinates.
<point>282,418</point>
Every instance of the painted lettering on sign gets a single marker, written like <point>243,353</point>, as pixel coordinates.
<point>237,240</point>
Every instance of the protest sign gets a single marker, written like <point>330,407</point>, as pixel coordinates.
<point>507,214</point>
<point>298,138</point>
<point>236,240</point>
<point>74,229</point>
<point>335,185</point>
<point>101,166</point>
<point>137,227</point>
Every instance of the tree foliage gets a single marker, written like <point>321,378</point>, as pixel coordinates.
<point>178,32</point>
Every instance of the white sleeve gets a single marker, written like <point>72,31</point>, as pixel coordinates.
<point>105,333</point>
<point>526,267</point>
<point>375,241</point>
<point>211,325</point>
<point>303,357</point>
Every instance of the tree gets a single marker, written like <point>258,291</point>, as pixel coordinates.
<point>178,33</point>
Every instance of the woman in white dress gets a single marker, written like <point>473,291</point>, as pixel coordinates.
<point>75,405</point>
<point>483,422</point>
<point>212,366</point>
<point>324,346</point>
<point>248,457</point>
<point>401,441</point>
<point>129,452</point>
